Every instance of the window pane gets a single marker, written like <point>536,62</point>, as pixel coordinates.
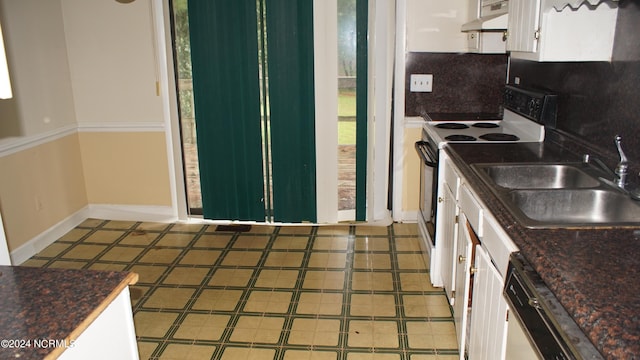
<point>346,104</point>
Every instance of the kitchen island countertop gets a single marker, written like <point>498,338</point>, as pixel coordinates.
<point>594,272</point>
<point>43,311</point>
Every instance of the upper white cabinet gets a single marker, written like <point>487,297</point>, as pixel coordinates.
<point>487,26</point>
<point>553,30</point>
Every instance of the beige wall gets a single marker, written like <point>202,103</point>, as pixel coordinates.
<point>411,170</point>
<point>40,187</point>
<point>112,61</point>
<point>38,65</point>
<point>84,76</point>
<point>125,168</point>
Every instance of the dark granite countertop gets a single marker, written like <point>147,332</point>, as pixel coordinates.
<point>594,273</point>
<point>51,304</point>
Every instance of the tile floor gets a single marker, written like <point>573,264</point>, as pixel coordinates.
<point>303,292</point>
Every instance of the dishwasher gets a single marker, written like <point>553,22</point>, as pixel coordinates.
<point>549,331</point>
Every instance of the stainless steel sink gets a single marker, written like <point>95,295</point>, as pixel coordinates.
<point>539,176</point>
<point>575,207</point>
<point>559,195</point>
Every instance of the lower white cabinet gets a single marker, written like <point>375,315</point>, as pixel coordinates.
<point>463,263</point>
<point>488,328</point>
<point>448,231</point>
<point>463,222</point>
<point>111,335</point>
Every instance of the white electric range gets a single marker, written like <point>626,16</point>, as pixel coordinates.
<point>513,128</point>
<point>526,113</point>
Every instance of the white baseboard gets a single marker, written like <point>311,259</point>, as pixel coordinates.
<point>123,213</point>
<point>46,238</point>
<point>107,212</point>
<point>133,213</point>
<point>406,216</point>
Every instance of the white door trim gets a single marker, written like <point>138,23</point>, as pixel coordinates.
<point>326,108</point>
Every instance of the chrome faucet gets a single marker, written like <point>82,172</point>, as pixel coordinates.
<point>620,174</point>
<point>622,167</point>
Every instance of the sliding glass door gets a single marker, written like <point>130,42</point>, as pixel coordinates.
<point>257,78</point>
<point>226,87</point>
<point>252,65</point>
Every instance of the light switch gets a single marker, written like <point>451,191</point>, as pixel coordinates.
<point>421,82</point>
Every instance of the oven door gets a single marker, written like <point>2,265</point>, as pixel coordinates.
<point>428,184</point>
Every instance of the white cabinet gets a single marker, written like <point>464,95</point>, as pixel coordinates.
<point>488,330</point>
<point>523,24</point>
<point>448,237</point>
<point>537,30</point>
<point>486,42</point>
<point>497,243</point>
<point>110,336</point>
<point>463,222</point>
<point>471,208</point>
<point>446,224</point>
<point>463,263</point>
<point>434,25</point>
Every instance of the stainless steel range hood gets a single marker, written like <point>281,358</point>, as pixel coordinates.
<point>487,23</point>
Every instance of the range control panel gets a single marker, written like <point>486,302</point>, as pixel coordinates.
<point>538,105</point>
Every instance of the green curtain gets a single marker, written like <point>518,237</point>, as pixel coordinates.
<point>362,70</point>
<point>291,100</point>
<point>224,55</point>
<point>226,80</point>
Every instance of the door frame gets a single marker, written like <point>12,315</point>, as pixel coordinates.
<point>381,59</point>
<point>383,18</point>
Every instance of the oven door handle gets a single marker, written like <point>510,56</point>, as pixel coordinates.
<point>426,154</point>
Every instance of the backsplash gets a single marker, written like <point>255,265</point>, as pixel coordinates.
<point>597,100</point>
<point>463,84</point>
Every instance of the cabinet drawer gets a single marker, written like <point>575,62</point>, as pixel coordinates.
<point>471,208</point>
<point>451,177</point>
<point>497,243</point>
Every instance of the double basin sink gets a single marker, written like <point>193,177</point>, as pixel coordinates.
<point>555,195</point>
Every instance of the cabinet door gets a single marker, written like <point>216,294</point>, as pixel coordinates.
<point>523,25</point>
<point>447,236</point>
<point>462,277</point>
<point>115,323</point>
<point>488,329</point>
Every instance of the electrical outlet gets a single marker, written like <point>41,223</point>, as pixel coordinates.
<point>421,82</point>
